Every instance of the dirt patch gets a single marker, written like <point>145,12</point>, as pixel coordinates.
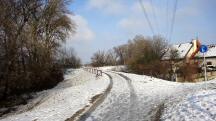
<point>73,118</point>
<point>11,103</point>
<point>159,112</point>
<point>83,110</point>
<point>95,98</point>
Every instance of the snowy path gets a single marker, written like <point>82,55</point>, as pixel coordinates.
<point>133,98</point>
<point>130,100</point>
<point>140,98</point>
<point>117,105</point>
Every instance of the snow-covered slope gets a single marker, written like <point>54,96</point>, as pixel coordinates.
<point>172,101</point>
<point>66,99</point>
<point>193,106</point>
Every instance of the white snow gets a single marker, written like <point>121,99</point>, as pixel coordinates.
<point>148,96</point>
<point>113,68</point>
<point>199,106</point>
<point>66,98</point>
<point>132,97</point>
<point>138,98</point>
<point>182,50</point>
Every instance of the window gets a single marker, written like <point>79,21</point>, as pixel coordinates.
<point>209,63</point>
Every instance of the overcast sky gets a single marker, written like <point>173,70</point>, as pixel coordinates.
<point>103,24</point>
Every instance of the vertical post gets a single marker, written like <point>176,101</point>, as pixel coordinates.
<point>205,66</point>
<point>205,71</point>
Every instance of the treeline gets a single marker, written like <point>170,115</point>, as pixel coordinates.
<point>31,32</point>
<point>67,58</point>
<point>142,55</point>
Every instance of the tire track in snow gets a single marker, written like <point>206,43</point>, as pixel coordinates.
<point>98,101</point>
<point>116,107</point>
<point>133,98</point>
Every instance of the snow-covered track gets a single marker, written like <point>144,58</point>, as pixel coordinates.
<point>119,104</point>
<point>96,102</point>
<point>133,98</point>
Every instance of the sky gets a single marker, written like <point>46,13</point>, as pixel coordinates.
<point>103,24</point>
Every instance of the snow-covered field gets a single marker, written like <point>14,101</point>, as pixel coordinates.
<point>131,98</point>
<point>196,106</point>
<point>65,99</point>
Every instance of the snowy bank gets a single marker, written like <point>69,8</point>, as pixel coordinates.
<point>198,106</point>
<point>68,97</point>
<point>113,68</point>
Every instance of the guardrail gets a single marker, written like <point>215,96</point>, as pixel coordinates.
<point>95,71</point>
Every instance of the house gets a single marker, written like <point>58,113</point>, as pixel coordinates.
<point>189,54</point>
<point>186,51</point>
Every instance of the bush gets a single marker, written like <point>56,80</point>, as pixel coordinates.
<point>188,71</point>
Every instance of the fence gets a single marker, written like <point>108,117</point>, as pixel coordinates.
<point>94,71</point>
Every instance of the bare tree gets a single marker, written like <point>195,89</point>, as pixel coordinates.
<point>122,53</point>
<point>111,57</point>
<point>98,59</point>
<point>30,33</point>
<point>68,59</point>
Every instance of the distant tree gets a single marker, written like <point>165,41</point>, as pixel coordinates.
<point>158,45</point>
<point>146,55</point>
<point>111,58</point>
<point>68,59</point>
<point>174,54</point>
<point>122,53</point>
<point>173,59</point>
<point>98,59</point>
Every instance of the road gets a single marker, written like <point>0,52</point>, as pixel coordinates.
<point>123,103</point>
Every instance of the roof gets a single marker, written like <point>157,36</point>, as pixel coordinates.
<point>183,49</point>
<point>210,53</point>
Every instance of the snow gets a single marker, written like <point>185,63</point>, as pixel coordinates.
<point>61,102</point>
<point>116,104</point>
<point>113,68</point>
<point>199,106</point>
<point>147,98</point>
<point>182,50</point>
<point>132,98</point>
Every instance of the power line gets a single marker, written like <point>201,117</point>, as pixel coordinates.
<point>146,16</point>
<point>167,19</point>
<point>154,16</point>
<point>173,19</point>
